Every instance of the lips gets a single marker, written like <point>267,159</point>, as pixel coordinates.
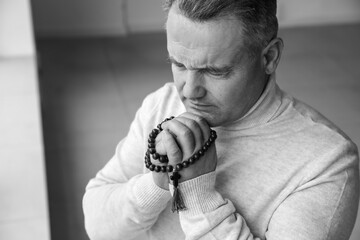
<point>197,105</point>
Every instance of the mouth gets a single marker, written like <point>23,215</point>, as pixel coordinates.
<point>198,106</point>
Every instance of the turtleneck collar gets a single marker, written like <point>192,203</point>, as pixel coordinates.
<point>262,111</point>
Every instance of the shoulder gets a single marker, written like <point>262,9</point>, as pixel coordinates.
<point>307,137</point>
<point>320,126</point>
<point>321,141</point>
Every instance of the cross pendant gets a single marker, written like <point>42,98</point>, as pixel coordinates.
<point>175,178</point>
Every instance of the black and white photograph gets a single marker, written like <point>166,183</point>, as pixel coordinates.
<point>179,120</point>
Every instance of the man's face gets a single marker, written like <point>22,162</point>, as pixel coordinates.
<point>212,69</point>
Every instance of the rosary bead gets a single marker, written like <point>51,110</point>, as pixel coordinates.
<point>163,159</point>
<point>185,164</point>
<point>155,131</point>
<point>201,152</point>
<point>178,167</point>
<point>169,168</point>
<point>155,156</point>
<point>151,145</point>
<point>174,176</point>
<point>167,119</point>
<point>152,135</point>
<point>152,150</point>
<point>163,168</point>
<point>157,168</point>
<point>205,148</point>
<point>196,156</point>
<point>191,160</point>
<point>151,140</point>
<point>152,167</point>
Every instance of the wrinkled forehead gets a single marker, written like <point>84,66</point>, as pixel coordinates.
<point>215,38</point>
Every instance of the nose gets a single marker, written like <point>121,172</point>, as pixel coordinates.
<point>194,85</point>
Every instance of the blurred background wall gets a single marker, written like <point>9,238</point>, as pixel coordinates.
<point>74,154</point>
<point>116,17</point>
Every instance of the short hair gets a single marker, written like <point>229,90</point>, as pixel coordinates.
<point>258,17</point>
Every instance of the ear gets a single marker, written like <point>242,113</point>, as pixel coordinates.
<point>271,55</point>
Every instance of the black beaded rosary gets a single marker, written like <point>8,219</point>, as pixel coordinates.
<point>177,203</point>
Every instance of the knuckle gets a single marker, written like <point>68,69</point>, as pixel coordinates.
<point>202,121</point>
<point>186,133</point>
<point>175,151</point>
<point>175,154</point>
<point>166,125</point>
<point>193,124</point>
<point>199,119</point>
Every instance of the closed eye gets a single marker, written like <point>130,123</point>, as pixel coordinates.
<point>179,65</point>
<point>224,72</point>
<point>217,72</point>
<point>176,63</point>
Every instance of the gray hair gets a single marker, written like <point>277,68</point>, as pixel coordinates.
<point>257,16</point>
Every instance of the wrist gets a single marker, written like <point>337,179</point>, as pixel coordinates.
<point>147,194</point>
<point>161,180</point>
<point>199,194</point>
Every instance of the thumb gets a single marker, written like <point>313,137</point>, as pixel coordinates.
<point>160,143</point>
<point>172,148</point>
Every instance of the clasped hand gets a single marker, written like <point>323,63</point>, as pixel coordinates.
<point>180,139</point>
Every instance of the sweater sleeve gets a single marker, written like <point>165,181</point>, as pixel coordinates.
<point>208,215</point>
<point>324,208</point>
<point>123,201</point>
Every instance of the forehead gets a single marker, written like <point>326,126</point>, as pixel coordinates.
<point>203,42</point>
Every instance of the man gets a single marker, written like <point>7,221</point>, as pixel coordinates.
<point>278,169</point>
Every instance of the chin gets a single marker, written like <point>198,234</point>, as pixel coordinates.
<point>210,118</point>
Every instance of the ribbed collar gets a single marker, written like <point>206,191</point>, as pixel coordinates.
<point>262,111</point>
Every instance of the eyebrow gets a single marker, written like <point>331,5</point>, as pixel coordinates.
<point>223,69</point>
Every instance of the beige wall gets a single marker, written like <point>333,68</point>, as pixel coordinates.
<point>145,16</point>
<point>23,196</point>
<point>78,17</point>
<point>315,12</point>
<point>113,17</point>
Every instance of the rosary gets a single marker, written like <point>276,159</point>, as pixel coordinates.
<point>177,201</point>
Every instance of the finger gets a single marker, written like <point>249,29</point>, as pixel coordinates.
<point>160,143</point>
<point>195,129</point>
<point>172,149</point>
<point>183,136</point>
<point>160,149</point>
<point>201,122</point>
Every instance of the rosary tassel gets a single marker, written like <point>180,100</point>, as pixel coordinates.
<point>177,200</point>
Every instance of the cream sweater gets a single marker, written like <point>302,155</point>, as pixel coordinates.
<point>284,172</point>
